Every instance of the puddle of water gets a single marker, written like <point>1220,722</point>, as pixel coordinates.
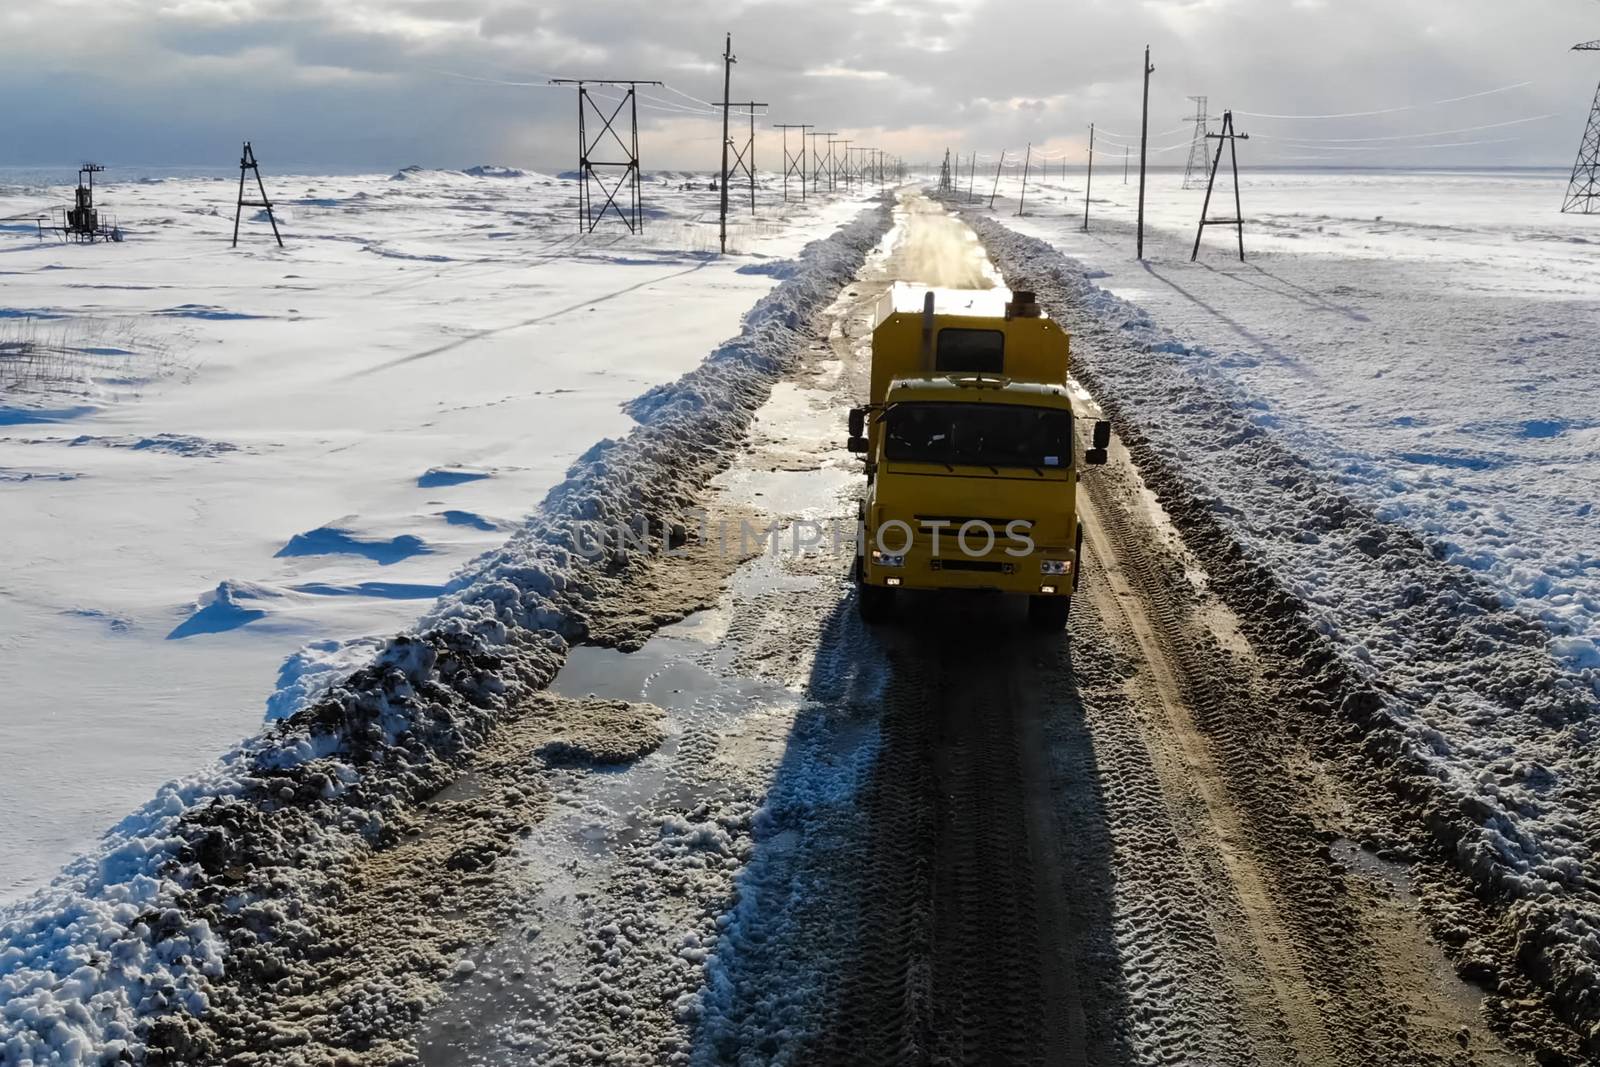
<point>683,669</point>
<point>816,495</point>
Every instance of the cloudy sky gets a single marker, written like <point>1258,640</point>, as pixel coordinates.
<point>382,83</point>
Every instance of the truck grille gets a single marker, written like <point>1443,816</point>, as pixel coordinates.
<point>957,521</point>
<point>977,566</point>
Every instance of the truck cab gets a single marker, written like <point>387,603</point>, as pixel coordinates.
<point>969,441</point>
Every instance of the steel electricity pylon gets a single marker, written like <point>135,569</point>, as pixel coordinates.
<point>600,133</point>
<point>1194,175</point>
<point>1583,192</point>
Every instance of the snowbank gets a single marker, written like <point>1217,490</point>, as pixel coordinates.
<point>1456,694</point>
<point>226,872</point>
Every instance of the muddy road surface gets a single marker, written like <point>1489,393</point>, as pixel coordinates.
<point>947,839</point>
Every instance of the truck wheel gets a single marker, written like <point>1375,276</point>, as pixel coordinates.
<point>1049,612</point>
<point>875,603</point>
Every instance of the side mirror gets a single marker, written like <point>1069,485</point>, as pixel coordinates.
<point>1102,436</point>
<point>858,422</point>
<point>858,445</point>
<point>1096,457</point>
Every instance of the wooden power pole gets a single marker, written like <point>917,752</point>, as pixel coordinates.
<point>1022,200</point>
<point>247,161</point>
<point>1144,144</point>
<point>1229,139</point>
<point>722,182</point>
<point>1088,182</point>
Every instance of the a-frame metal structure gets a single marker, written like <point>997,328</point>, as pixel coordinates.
<point>1583,191</point>
<point>820,164</point>
<point>794,163</point>
<point>1228,139</point>
<point>247,163</point>
<point>744,156</point>
<point>616,179</point>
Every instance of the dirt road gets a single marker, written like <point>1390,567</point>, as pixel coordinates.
<point>952,839</point>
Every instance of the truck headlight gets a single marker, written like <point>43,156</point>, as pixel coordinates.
<point>1055,566</point>
<point>884,559</point>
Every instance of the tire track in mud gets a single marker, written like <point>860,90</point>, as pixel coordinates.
<point>946,968</point>
<point>1180,686</point>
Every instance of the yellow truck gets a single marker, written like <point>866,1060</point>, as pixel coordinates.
<point>970,451</point>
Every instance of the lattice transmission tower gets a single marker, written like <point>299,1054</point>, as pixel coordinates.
<point>1583,192</point>
<point>1194,175</point>
<point>600,133</point>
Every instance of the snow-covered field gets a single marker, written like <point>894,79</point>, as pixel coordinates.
<point>1427,337</point>
<point>230,465</point>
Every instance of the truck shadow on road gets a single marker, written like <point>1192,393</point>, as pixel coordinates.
<point>932,879</point>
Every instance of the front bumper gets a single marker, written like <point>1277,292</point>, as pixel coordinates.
<point>995,571</point>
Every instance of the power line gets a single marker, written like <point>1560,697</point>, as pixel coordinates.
<point>1406,136</point>
<point>1391,110</point>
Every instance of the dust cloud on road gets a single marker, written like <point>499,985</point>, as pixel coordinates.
<point>936,248</point>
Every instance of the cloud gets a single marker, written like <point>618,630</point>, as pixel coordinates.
<point>358,83</point>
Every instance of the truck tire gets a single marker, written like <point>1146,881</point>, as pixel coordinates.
<point>874,603</point>
<point>1049,612</point>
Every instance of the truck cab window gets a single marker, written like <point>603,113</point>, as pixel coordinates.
<point>971,351</point>
<point>979,435</point>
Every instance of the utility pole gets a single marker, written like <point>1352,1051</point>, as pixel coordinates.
<point>1231,140</point>
<point>727,83</point>
<point>863,166</point>
<point>745,158</point>
<point>1022,200</point>
<point>1089,182</point>
<point>838,161</point>
<point>816,160</point>
<point>247,161</point>
<point>793,163</point>
<point>594,172</point>
<point>972,174</point>
<point>995,191</point>
<point>1125,157</point>
<point>1144,145</point>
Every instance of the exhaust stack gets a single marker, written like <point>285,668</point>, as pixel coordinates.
<point>1023,305</point>
<point>927,331</point>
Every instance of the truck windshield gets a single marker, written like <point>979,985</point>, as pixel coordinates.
<point>983,435</point>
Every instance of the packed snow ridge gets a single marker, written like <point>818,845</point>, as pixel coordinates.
<point>114,960</point>
<point>1462,701</point>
